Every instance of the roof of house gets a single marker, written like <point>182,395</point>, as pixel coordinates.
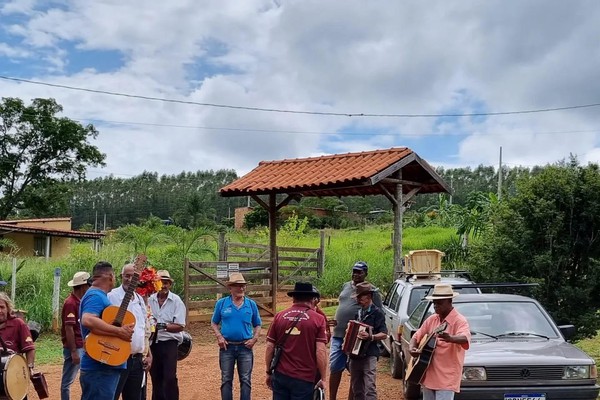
<point>34,220</point>
<point>351,174</point>
<point>9,228</point>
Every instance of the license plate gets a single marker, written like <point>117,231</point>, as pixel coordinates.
<point>525,396</point>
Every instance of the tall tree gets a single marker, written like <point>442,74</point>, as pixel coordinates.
<point>548,233</point>
<point>38,148</point>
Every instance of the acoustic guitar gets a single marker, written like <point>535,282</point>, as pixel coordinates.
<point>418,365</point>
<point>112,350</point>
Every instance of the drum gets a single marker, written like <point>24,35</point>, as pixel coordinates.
<point>15,377</point>
<point>185,347</point>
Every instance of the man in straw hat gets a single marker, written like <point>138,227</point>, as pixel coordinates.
<point>300,331</point>
<point>169,312</point>
<point>70,332</point>
<point>442,377</point>
<point>239,329</point>
<point>363,367</point>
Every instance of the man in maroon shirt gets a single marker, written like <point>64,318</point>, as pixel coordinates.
<point>304,353</point>
<point>14,332</point>
<point>70,332</point>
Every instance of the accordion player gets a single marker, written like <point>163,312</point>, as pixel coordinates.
<point>352,345</point>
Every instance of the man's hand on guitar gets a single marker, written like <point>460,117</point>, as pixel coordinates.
<point>414,351</point>
<point>446,337</point>
<point>125,332</point>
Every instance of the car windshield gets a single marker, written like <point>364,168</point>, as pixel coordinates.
<point>507,319</point>
<point>418,294</point>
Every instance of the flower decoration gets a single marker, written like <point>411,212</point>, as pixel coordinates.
<point>149,282</point>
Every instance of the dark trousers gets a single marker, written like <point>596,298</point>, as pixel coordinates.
<point>164,370</point>
<point>130,381</point>
<point>288,388</point>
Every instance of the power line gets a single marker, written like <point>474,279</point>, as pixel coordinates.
<point>277,110</point>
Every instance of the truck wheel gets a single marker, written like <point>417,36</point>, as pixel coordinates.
<point>410,390</point>
<point>397,366</point>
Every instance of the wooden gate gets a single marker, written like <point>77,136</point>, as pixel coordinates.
<point>205,283</point>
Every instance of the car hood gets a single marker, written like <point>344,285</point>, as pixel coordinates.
<point>522,351</point>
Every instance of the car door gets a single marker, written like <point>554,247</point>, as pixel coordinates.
<point>390,309</point>
<point>421,312</point>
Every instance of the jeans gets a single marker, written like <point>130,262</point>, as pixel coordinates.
<point>288,388</point>
<point>69,372</point>
<point>245,359</point>
<point>99,384</point>
<point>130,381</point>
<point>337,358</point>
<point>429,394</point>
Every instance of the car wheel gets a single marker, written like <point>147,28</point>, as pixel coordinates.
<point>410,390</point>
<point>397,365</point>
<point>383,350</point>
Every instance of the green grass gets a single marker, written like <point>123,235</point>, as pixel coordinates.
<point>48,349</point>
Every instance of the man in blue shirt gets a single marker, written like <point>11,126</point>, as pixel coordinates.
<point>98,380</point>
<point>239,330</point>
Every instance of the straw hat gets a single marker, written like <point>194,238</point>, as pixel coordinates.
<point>235,278</point>
<point>164,275</point>
<point>80,278</point>
<point>442,291</point>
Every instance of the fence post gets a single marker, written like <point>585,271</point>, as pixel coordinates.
<point>13,280</point>
<point>321,262</point>
<point>55,299</point>
<point>222,247</point>
<point>186,288</point>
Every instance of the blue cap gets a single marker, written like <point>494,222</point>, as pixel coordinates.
<point>361,265</point>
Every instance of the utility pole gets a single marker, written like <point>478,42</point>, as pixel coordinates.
<point>500,176</point>
<point>451,187</point>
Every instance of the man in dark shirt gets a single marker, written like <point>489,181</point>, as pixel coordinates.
<point>70,332</point>
<point>346,310</point>
<point>364,368</point>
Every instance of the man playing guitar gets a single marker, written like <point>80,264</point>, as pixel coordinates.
<point>98,380</point>
<point>442,377</point>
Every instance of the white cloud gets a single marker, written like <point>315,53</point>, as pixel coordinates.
<point>352,56</point>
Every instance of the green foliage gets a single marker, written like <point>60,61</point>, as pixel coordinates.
<point>256,218</point>
<point>547,233</point>
<point>39,150</point>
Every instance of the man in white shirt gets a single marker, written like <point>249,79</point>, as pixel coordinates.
<point>131,380</point>
<point>169,312</point>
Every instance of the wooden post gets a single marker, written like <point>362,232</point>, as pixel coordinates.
<point>48,248</point>
<point>186,288</point>
<point>13,279</point>
<point>222,247</point>
<point>321,262</point>
<point>55,300</point>
<point>398,214</point>
<point>273,249</point>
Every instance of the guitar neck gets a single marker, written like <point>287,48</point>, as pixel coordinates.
<point>126,299</point>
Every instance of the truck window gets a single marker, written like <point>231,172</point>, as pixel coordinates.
<point>390,294</point>
<point>395,301</point>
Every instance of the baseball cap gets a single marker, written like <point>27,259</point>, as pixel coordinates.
<point>361,265</point>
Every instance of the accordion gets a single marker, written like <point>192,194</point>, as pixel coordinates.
<point>352,345</point>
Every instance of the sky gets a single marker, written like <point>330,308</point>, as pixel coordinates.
<point>440,58</point>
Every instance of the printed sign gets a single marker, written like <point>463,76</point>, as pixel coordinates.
<point>222,271</point>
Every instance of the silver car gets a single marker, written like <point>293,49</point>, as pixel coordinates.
<point>517,352</point>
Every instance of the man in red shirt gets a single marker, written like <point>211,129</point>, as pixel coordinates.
<point>304,353</point>
<point>70,332</point>
<point>14,332</point>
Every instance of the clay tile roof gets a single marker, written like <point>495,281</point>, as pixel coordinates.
<point>9,228</point>
<point>351,174</point>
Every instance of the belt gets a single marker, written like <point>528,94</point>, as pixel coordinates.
<point>234,343</point>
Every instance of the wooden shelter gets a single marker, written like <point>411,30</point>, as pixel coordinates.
<point>397,173</point>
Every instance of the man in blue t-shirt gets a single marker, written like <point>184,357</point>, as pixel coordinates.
<point>240,326</point>
<point>98,380</point>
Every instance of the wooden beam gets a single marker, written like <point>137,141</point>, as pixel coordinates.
<point>393,168</point>
<point>287,200</point>
<point>260,201</point>
<point>272,208</point>
<point>387,194</point>
<point>410,195</point>
<point>401,181</point>
<point>398,215</point>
